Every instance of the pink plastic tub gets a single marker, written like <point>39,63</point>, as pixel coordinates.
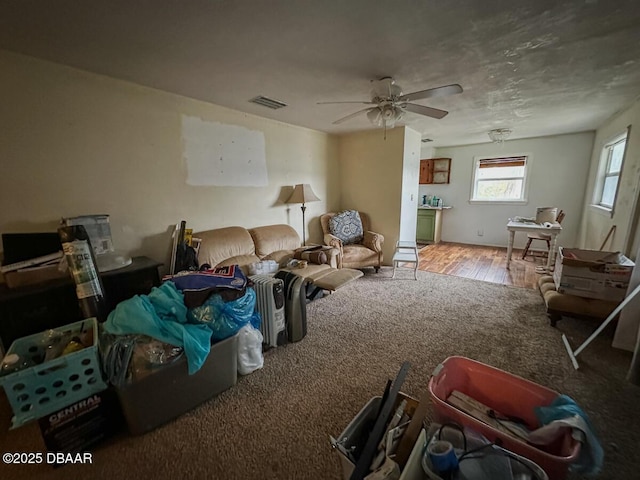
<point>507,394</point>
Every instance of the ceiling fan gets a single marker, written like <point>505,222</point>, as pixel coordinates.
<point>391,104</point>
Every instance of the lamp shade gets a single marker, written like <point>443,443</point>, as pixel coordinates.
<point>302,193</point>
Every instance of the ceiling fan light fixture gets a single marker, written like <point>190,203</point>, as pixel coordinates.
<point>389,114</point>
<point>385,116</point>
<point>398,113</point>
<point>375,116</point>
<point>391,104</point>
<point>499,135</point>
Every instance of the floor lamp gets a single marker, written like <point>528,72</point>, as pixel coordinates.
<point>302,193</point>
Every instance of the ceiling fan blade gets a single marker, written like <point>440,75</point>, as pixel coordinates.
<point>332,103</point>
<point>428,111</point>
<point>349,117</point>
<point>432,92</point>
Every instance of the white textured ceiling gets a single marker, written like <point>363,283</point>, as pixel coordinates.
<point>538,67</point>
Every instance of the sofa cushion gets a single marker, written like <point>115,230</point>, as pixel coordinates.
<point>347,226</point>
<point>241,260</point>
<point>281,257</point>
<point>226,243</point>
<point>357,256</point>
<point>273,238</point>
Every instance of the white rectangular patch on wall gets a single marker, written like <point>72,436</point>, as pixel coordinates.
<point>223,155</point>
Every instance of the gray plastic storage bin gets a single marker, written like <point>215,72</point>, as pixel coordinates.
<point>171,391</point>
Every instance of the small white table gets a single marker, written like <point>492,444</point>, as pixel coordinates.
<point>553,231</point>
<point>406,252</point>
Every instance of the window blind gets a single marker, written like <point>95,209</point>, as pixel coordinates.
<point>503,162</point>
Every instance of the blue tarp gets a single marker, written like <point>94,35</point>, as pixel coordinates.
<point>162,315</point>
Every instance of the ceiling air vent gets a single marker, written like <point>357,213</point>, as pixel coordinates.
<point>268,102</point>
<point>426,140</point>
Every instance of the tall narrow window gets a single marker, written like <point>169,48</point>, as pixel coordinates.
<point>610,170</point>
<point>500,179</point>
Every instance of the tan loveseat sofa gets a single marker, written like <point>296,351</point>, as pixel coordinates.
<point>241,246</point>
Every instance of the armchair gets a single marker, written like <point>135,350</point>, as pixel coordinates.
<point>368,253</point>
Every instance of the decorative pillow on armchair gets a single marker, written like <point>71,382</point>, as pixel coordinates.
<point>347,226</point>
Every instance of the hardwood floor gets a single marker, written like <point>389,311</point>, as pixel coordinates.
<point>481,263</point>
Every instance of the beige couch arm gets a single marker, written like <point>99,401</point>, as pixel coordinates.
<point>373,241</point>
<point>332,241</point>
<point>336,243</point>
<point>334,257</point>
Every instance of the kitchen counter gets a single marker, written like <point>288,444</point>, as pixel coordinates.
<point>429,207</point>
<point>429,224</point>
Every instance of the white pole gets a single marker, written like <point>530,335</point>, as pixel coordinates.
<point>574,354</point>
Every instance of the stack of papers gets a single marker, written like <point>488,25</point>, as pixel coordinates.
<point>33,263</point>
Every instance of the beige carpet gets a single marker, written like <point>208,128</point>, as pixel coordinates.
<point>276,422</point>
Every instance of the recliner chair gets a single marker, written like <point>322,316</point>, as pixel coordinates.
<point>368,253</point>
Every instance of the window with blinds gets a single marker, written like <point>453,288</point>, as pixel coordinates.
<point>610,169</point>
<point>500,179</point>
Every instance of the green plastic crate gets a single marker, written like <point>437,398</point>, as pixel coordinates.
<point>45,388</point>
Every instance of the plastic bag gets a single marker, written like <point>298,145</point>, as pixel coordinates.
<point>225,319</point>
<point>250,356</point>
<point>477,458</point>
<point>130,358</point>
<point>150,354</point>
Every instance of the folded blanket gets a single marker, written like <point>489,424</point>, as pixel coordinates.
<point>314,254</point>
<point>230,282</point>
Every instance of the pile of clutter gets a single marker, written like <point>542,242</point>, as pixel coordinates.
<point>186,315</point>
<point>185,320</point>
<point>487,425</point>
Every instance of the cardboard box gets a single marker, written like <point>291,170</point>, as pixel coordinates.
<point>23,278</point>
<point>83,424</point>
<point>592,274</point>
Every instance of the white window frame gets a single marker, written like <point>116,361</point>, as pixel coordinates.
<point>523,200</point>
<point>603,173</point>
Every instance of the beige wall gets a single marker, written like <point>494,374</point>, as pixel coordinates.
<point>596,223</point>
<point>77,143</point>
<point>371,169</point>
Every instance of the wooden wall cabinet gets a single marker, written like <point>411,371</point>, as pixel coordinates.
<point>435,170</point>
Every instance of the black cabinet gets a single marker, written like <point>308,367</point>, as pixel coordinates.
<point>28,310</point>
